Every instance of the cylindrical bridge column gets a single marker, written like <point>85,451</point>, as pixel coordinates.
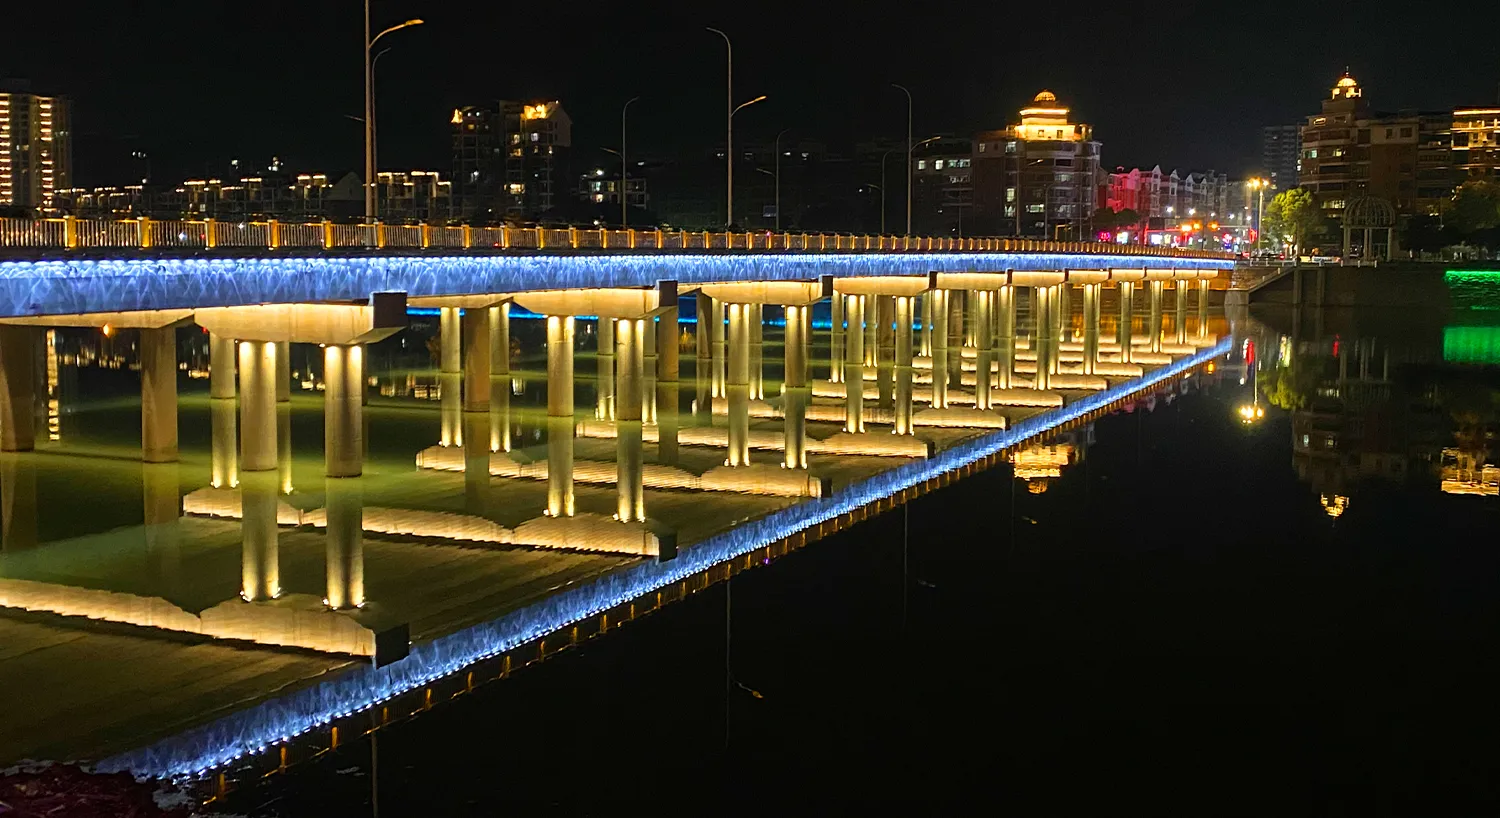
<point>926,349</point>
<point>604,383</point>
<point>1179,315</point>
<point>716,335</point>
<point>478,344</point>
<point>1202,308</point>
<point>1154,324</point>
<point>500,378</point>
<point>1123,336</point>
<point>560,416</point>
<point>667,388</point>
<point>1090,328</point>
<point>795,392</point>
<point>343,410</point>
<point>630,348</point>
<point>957,304</point>
<point>984,342</point>
<point>854,365</point>
<point>258,406</point>
<point>1045,337</point>
<point>18,345</point>
<point>449,335</point>
<point>1005,335</point>
<point>902,397</point>
<point>885,349</point>
<point>159,395</point>
<point>702,364</point>
<point>1064,312</point>
<point>738,386</point>
<point>939,348</point>
<point>836,341</point>
<point>757,320</point>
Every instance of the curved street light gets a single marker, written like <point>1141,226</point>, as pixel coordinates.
<point>624,166</point>
<point>370,107</point>
<point>909,148</point>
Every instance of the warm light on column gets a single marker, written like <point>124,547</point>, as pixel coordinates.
<point>738,385</point>
<point>630,346</point>
<point>903,371</point>
<point>560,498</point>
<point>258,406</point>
<point>854,364</point>
<point>796,394</point>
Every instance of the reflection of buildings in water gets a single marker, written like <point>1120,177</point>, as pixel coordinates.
<point>1040,464</point>
<point>1465,472</point>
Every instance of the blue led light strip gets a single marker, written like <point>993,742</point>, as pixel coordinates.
<point>200,750</point>
<point>70,286</point>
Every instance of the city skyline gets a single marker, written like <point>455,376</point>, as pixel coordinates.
<point>826,73</point>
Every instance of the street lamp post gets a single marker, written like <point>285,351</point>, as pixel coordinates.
<point>880,188</point>
<point>909,148</point>
<point>370,108</point>
<point>778,177</point>
<point>729,123</point>
<point>1259,184</point>
<point>624,167</point>
<point>909,172</point>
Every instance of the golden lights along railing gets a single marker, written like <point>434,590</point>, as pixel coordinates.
<point>70,233</point>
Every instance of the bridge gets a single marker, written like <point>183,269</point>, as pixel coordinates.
<point>702,451</point>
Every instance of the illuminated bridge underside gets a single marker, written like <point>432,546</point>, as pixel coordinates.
<point>197,751</point>
<point>71,286</point>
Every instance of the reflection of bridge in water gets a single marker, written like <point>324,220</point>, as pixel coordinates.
<point>928,367</point>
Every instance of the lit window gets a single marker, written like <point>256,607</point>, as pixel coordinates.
<point>1010,147</point>
<point>536,137</point>
<point>1010,210</point>
<point>937,164</point>
<point>1033,208</point>
<point>1010,194</point>
<point>921,164</point>
<point>981,147</point>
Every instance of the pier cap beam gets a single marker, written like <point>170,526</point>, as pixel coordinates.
<point>781,293</point>
<point>885,285</point>
<point>1088,276</point>
<point>1160,274</point>
<point>463,302</point>
<point>138,319</point>
<point>329,324</point>
<point>1129,275</point>
<point>604,302</point>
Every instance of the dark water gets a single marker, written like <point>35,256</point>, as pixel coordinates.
<point>1199,616</point>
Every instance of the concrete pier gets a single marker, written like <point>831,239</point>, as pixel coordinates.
<point>343,410</point>
<point>668,386</point>
<point>1123,337</point>
<point>159,395</point>
<point>836,341</point>
<point>795,392</point>
<point>902,363</point>
<point>1005,336</point>
<point>940,352</point>
<point>984,345</point>
<point>478,346</point>
<point>1045,336</point>
<point>1153,324</point>
<point>630,340</point>
<point>1179,314</point>
<point>1091,293</point>
<point>757,352</point>
<point>738,387</point>
<point>17,388</point>
<point>258,450</point>
<point>560,416</point>
<point>854,363</point>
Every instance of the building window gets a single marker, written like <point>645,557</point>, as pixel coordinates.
<point>981,147</point>
<point>937,164</point>
<point>1010,210</point>
<point>1034,208</point>
<point>1405,133</point>
<point>1312,154</point>
<point>921,164</point>
<point>1010,194</point>
<point>1010,147</point>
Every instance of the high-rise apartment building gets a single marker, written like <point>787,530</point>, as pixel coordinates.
<point>1280,146</point>
<point>1476,144</point>
<point>511,162</point>
<point>36,148</point>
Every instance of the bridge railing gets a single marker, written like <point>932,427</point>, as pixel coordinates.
<point>69,233</point>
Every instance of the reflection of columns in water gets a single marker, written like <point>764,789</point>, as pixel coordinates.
<point>257,406</point>
<point>983,341</point>
<point>343,410</point>
<point>1202,308</point>
<point>1127,321</point>
<point>902,374</point>
<point>854,364</point>
<point>757,352</point>
<point>159,395</point>
<point>604,383</point>
<point>629,463</point>
<point>345,543</point>
<point>885,340</point>
<point>162,499</point>
<point>738,385</point>
<point>1153,325</point>
<point>17,501</point>
<point>795,392</point>
<point>500,378</point>
<point>716,335</point>
<point>939,300</point>
<point>17,388</point>
<point>478,345</point>
<point>259,563</point>
<point>477,462</point>
<point>926,323</point>
<point>450,391</point>
<point>1090,328</point>
<point>560,415</point>
<point>1045,337</point>
<point>836,341</point>
<point>667,386</point>
<point>1005,336</point>
<point>1179,315</point>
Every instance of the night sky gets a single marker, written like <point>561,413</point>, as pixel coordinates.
<point>1184,85</point>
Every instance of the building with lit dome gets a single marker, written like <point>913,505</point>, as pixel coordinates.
<point>1351,152</point>
<point>1038,178</point>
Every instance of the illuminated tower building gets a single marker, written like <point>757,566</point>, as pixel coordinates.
<point>36,155</point>
<point>511,162</point>
<point>1040,177</point>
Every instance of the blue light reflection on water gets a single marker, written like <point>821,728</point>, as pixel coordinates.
<point>83,285</point>
<point>197,751</point>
